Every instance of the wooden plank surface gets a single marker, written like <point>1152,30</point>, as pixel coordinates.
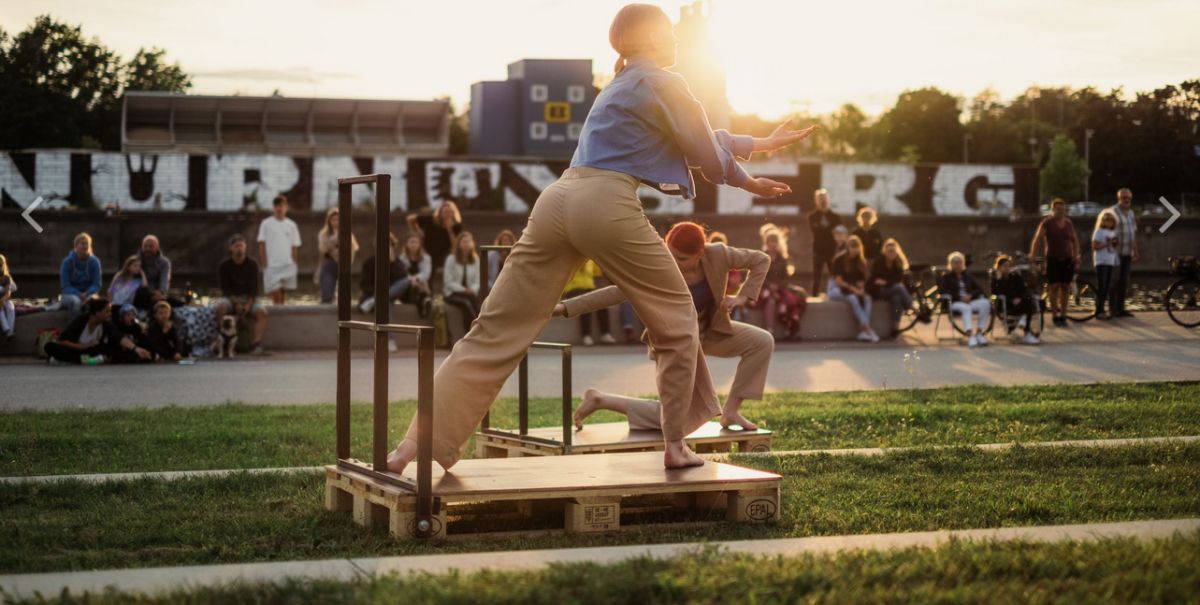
<point>630,473</point>
<point>617,433</point>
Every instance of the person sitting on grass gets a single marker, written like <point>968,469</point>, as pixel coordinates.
<point>125,284</point>
<point>965,298</point>
<point>706,269</point>
<point>1018,300</point>
<point>92,338</point>
<point>129,329</point>
<point>460,280</point>
<point>164,336</point>
<point>79,276</point>
<point>848,282</point>
<point>238,277</point>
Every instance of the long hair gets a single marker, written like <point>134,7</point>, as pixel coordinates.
<point>629,33</point>
<point>421,253</point>
<point>1106,213</point>
<point>769,230</point>
<point>457,216</point>
<point>5,276</point>
<point>469,258</point>
<point>859,259</point>
<point>327,230</point>
<point>900,256</point>
<point>125,271</point>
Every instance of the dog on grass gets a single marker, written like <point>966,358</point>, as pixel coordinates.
<point>225,343</point>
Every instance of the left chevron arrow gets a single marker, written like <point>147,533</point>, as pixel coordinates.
<point>29,211</point>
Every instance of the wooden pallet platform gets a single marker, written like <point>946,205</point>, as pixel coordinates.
<point>605,492</point>
<point>614,437</point>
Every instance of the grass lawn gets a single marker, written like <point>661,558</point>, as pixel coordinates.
<point>1110,571</point>
<point>244,436</point>
<point>75,526</point>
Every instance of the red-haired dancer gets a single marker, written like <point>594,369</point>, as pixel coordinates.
<point>705,268</point>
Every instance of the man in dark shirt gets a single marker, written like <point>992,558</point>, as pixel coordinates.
<point>239,279</point>
<point>821,221</point>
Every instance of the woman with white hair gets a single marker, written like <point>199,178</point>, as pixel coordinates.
<point>966,298</point>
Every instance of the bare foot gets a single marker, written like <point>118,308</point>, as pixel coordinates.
<point>401,456</point>
<point>731,418</point>
<point>590,403</point>
<point>679,455</point>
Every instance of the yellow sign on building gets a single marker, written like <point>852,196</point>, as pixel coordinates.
<point>558,112</point>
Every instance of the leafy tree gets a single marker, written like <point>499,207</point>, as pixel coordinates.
<point>1064,173</point>
<point>148,70</point>
<point>927,120</point>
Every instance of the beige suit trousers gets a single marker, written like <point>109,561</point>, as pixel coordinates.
<point>587,213</point>
<point>752,344</point>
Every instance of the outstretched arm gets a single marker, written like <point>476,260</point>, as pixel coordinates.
<point>782,137</point>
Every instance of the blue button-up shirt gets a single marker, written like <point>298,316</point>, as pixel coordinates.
<point>647,124</point>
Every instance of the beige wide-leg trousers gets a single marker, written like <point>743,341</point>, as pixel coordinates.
<point>752,344</point>
<point>587,213</point>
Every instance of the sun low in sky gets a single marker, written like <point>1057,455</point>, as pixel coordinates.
<point>779,55</point>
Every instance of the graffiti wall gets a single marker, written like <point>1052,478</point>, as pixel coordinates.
<point>232,182</point>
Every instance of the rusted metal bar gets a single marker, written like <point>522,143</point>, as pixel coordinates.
<point>383,308</point>
<point>523,396</point>
<point>425,502</point>
<point>342,412</point>
<point>362,179</point>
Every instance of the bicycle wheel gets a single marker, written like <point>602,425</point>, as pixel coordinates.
<point>1081,301</point>
<point>1183,302</point>
<point>1038,319</point>
<point>918,310</point>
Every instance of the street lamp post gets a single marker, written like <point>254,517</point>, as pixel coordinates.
<point>1087,162</point>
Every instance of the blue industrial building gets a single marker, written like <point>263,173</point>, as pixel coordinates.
<point>537,112</point>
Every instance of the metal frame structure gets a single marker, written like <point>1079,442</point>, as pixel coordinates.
<point>426,505</point>
<point>523,375</point>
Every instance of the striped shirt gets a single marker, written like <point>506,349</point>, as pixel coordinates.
<point>1126,230</point>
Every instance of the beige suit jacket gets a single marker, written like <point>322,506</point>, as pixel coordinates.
<point>717,261</point>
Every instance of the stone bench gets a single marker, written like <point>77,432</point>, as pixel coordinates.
<point>301,327</point>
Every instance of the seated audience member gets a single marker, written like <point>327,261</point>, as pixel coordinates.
<point>779,299</point>
<point>79,275</point>
<point>1018,300</point>
<point>438,231</point>
<point>848,282</point>
<point>91,338</point>
<point>126,283</point>
<point>164,336</point>
<point>327,246</point>
<point>239,279</point>
<point>460,279</point>
<point>8,312</point>
<point>134,348</point>
<point>840,236</point>
<point>887,280</point>
<point>872,239</point>
<point>965,298</point>
<point>581,283</point>
<point>408,276</point>
<point>496,259</point>
<point>157,269</point>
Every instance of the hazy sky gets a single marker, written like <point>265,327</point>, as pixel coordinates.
<point>779,54</point>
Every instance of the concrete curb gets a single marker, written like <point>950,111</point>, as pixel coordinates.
<point>155,580</point>
<point>866,451</point>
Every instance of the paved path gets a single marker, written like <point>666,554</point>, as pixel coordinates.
<point>862,451</point>
<point>1147,348</point>
<point>153,580</point>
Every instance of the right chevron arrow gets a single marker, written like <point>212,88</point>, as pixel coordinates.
<point>1174,215</point>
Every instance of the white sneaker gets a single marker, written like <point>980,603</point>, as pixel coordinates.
<point>588,341</point>
<point>1030,339</point>
<point>608,339</point>
<point>973,341</point>
<point>1021,322</point>
<point>873,335</point>
<point>367,305</point>
<point>864,337</point>
<point>391,346</point>
<point>983,341</point>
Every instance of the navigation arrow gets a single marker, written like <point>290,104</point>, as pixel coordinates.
<point>1174,215</point>
<point>29,210</point>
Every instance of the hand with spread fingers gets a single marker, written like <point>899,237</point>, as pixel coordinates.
<point>782,137</point>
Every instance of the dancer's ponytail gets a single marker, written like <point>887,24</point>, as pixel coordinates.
<point>619,65</point>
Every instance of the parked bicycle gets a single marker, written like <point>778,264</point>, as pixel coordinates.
<point>1183,296</point>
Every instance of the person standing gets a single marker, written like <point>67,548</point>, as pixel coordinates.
<point>278,248</point>
<point>644,127</point>
<point>157,270</point>
<point>327,247</point>
<point>821,221</point>
<point>78,275</point>
<point>239,277</point>
<point>438,232</point>
<point>8,311</point>
<point>868,234</point>
<point>1104,252</point>
<point>1127,251</point>
<point>1055,239</point>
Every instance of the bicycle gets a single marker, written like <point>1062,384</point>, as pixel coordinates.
<point>923,293</point>
<point>1182,298</point>
<point>1081,294</point>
